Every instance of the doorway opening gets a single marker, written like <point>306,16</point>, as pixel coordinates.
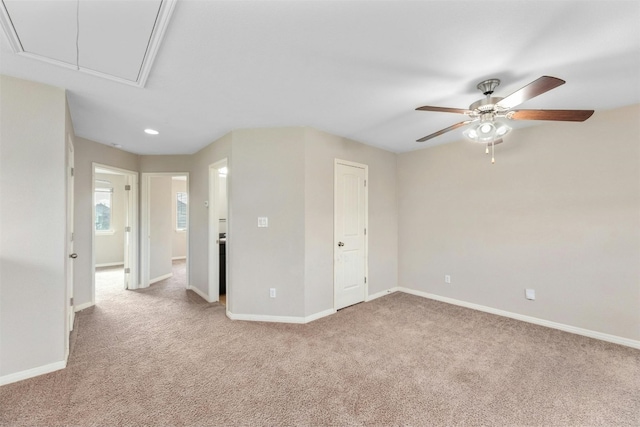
<point>219,236</point>
<point>114,241</point>
<point>165,228</point>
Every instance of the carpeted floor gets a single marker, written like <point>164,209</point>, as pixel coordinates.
<point>163,356</point>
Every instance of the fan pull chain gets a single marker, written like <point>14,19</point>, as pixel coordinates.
<point>486,151</point>
<point>493,159</point>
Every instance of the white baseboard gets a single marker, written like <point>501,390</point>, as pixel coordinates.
<point>34,372</point>
<point>159,278</point>
<point>265,318</point>
<point>319,315</point>
<point>175,258</point>
<point>529,319</point>
<point>279,319</point>
<point>200,293</point>
<point>79,307</point>
<point>381,294</point>
<point>110,264</point>
<point>299,320</point>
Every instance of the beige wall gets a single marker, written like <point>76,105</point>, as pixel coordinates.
<point>179,237</point>
<point>109,247</point>
<point>559,212</point>
<point>177,163</point>
<point>32,223</point>
<point>88,152</point>
<point>321,149</point>
<point>267,180</point>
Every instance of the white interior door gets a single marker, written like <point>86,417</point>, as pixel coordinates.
<point>127,233</point>
<point>70,252</point>
<point>350,242</point>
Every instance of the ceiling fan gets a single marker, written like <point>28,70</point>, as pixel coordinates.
<point>487,114</point>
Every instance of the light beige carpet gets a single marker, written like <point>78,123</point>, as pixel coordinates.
<point>163,356</point>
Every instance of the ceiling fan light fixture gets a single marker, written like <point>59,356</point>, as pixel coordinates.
<point>486,131</point>
<point>502,129</point>
<point>486,128</point>
<point>471,133</point>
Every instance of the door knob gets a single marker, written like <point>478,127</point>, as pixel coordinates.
<point>340,244</point>
<point>74,256</point>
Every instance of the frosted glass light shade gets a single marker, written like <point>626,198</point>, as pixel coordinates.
<point>485,132</point>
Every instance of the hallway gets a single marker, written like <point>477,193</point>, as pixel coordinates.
<point>110,281</point>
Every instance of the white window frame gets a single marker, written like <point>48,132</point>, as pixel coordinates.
<point>111,230</point>
<point>186,203</point>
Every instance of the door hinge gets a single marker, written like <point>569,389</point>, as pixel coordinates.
<point>365,279</point>
<point>71,301</point>
<point>365,182</point>
<point>127,270</point>
<point>127,229</point>
<point>127,187</point>
<point>71,170</point>
<point>365,231</point>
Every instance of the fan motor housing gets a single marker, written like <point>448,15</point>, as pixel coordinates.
<point>485,105</point>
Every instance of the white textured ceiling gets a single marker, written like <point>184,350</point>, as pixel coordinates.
<point>357,69</point>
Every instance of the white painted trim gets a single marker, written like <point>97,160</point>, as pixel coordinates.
<point>176,258</point>
<point>162,21</point>
<point>265,318</point>
<point>529,319</point>
<point>200,293</point>
<point>157,34</point>
<point>110,264</point>
<point>280,319</point>
<point>159,278</point>
<point>381,294</point>
<point>9,29</point>
<point>337,162</point>
<point>319,315</point>
<point>34,372</point>
<point>81,307</point>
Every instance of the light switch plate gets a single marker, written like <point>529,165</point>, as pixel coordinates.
<point>263,221</point>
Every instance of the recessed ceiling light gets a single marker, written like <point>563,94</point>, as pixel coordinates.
<point>151,131</point>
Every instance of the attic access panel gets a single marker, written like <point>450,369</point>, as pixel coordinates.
<point>116,39</point>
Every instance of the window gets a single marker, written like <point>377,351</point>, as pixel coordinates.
<point>181,210</point>
<point>102,201</point>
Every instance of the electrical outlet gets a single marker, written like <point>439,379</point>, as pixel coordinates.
<point>263,221</point>
<point>530,294</point>
<point>272,292</point>
<point>447,278</point>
